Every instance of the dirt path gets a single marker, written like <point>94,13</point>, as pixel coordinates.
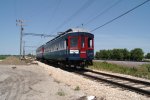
<point>24,82</point>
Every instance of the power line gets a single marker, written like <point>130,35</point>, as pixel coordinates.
<point>120,15</point>
<point>103,12</point>
<point>42,35</point>
<point>85,6</point>
<point>31,46</point>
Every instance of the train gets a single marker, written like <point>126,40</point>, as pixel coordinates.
<point>74,47</point>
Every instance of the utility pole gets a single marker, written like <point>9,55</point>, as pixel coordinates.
<point>24,49</point>
<point>20,23</point>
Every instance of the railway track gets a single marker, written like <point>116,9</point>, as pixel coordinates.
<point>140,86</point>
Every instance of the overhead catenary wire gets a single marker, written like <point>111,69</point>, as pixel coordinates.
<point>103,12</point>
<point>42,35</point>
<point>81,9</point>
<point>120,15</point>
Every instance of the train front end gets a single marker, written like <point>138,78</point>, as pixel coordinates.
<point>81,48</point>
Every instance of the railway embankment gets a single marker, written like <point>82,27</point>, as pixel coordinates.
<point>101,90</point>
<point>23,80</point>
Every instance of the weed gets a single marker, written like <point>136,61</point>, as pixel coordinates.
<point>77,88</point>
<point>56,81</point>
<point>61,93</point>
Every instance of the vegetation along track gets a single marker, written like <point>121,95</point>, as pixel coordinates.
<point>136,85</point>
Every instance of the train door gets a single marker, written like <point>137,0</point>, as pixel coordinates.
<point>73,45</point>
<point>83,47</point>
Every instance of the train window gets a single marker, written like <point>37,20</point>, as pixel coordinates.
<point>62,44</point>
<point>82,42</point>
<point>74,42</point>
<point>90,42</point>
<point>65,44</point>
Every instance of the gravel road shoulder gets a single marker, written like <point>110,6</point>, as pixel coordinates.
<point>31,82</point>
<point>102,90</point>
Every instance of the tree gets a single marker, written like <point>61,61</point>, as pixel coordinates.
<point>137,54</point>
<point>147,56</point>
<point>117,54</point>
<point>104,54</point>
<point>109,54</point>
<point>126,54</point>
<point>97,55</point>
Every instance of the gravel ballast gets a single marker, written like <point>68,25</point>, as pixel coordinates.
<point>102,91</point>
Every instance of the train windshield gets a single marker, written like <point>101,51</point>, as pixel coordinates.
<point>73,42</point>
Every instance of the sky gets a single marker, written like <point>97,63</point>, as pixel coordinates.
<point>53,16</point>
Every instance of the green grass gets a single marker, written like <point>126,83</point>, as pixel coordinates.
<point>143,71</point>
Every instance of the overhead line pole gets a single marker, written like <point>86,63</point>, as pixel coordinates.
<point>23,49</point>
<point>20,23</point>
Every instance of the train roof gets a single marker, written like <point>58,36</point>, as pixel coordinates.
<point>71,30</point>
<point>41,46</point>
<point>76,30</point>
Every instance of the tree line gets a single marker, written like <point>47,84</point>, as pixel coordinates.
<point>136,54</point>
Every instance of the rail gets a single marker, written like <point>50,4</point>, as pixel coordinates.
<point>140,86</point>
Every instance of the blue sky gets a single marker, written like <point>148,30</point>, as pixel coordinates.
<point>52,16</point>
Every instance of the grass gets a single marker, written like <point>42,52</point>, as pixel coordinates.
<point>61,93</point>
<point>56,81</point>
<point>77,88</point>
<point>143,71</point>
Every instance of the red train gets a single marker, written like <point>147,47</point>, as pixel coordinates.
<point>72,47</point>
